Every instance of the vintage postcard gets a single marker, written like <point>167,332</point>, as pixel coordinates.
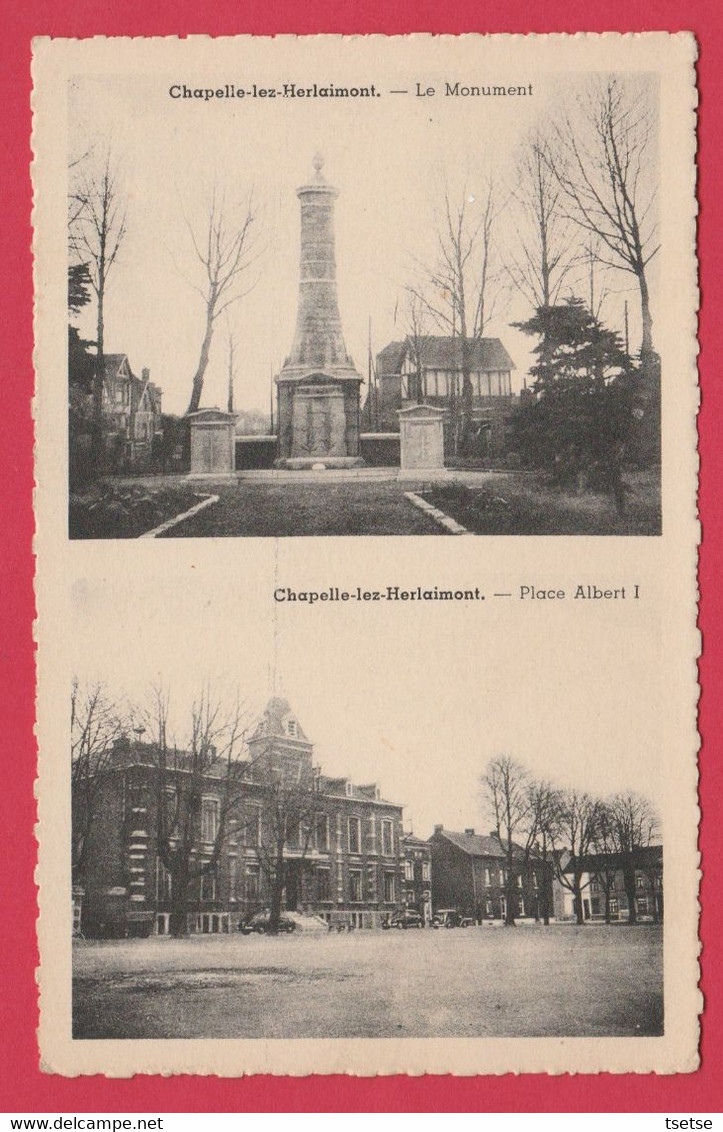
<point>314,800</point>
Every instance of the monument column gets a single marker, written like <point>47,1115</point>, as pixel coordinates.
<point>318,387</point>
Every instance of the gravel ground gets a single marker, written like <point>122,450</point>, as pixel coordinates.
<point>484,982</point>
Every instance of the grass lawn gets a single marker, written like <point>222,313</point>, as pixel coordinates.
<point>528,505</point>
<point>560,981</point>
<point>488,503</point>
<point>127,509</point>
<point>358,507</point>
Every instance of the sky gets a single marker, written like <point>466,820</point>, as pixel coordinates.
<point>422,723</point>
<point>388,160</point>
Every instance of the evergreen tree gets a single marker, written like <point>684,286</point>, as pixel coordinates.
<point>580,423</point>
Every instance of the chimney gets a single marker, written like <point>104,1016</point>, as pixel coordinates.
<point>495,833</point>
<point>469,832</point>
<point>438,828</point>
<point>146,374</point>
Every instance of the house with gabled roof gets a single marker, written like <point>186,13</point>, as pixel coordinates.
<point>132,406</point>
<point>429,370</point>
<point>469,874</point>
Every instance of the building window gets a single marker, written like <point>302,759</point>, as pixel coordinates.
<point>520,906</point>
<point>252,826</point>
<point>323,884</point>
<point>426,871</point>
<point>488,908</point>
<point>163,882</point>
<point>405,386</point>
<point>135,801</point>
<point>210,813</point>
<point>639,881</point>
<point>232,877</point>
<point>614,907</point>
<point>355,886</point>
<point>322,831</point>
<point>208,885</point>
<point>354,835</point>
<point>502,877</point>
<point>387,839</point>
<point>535,881</point>
<point>488,877</point>
<point>170,804</point>
<point>292,727</point>
<point>389,888</point>
<point>519,880</point>
<point>503,908</point>
<point>252,882</point>
<point>642,903</point>
<point>409,870</point>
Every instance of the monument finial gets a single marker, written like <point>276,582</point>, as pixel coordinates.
<point>318,162</point>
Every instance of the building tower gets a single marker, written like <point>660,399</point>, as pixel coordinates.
<point>318,386</point>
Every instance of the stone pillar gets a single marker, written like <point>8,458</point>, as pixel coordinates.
<point>318,386</point>
<point>213,442</point>
<point>421,429</point>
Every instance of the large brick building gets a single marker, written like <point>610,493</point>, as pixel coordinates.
<point>469,873</point>
<point>344,860</point>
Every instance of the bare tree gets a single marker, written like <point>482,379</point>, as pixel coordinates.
<point>197,794</point>
<point>541,824</point>
<point>96,721</point>
<point>462,288</point>
<point>97,231</point>
<point>574,829</point>
<point>540,258</point>
<point>289,799</point>
<point>607,861</point>
<point>506,789</point>
<point>601,161</point>
<point>634,826</point>
<point>226,250</point>
<point>418,340</point>
<point>231,370</point>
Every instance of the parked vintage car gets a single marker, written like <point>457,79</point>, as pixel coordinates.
<point>260,924</point>
<point>451,918</point>
<point>407,918</point>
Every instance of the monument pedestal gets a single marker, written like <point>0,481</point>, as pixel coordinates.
<point>213,442</point>
<point>421,439</point>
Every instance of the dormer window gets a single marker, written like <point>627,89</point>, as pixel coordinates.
<point>292,727</point>
<point>349,789</point>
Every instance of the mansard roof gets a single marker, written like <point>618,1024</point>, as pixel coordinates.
<point>276,720</point>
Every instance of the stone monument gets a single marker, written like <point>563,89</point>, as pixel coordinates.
<point>213,442</point>
<point>318,386</point>
<point>421,438</point>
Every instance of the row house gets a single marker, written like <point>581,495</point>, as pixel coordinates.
<point>431,371</point>
<point>604,892</point>
<point>469,874</point>
<point>343,856</point>
<point>417,883</point>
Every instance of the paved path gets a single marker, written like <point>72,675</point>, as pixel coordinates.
<point>270,509</point>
